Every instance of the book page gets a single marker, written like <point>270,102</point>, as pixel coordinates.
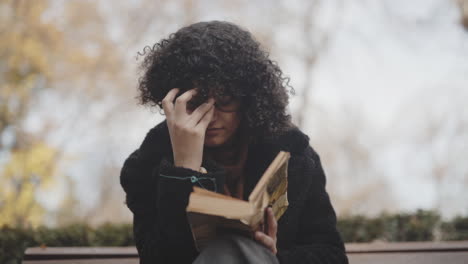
<point>281,158</point>
<point>271,190</point>
<point>277,191</point>
<point>211,205</point>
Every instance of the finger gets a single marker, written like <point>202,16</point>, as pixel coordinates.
<point>198,113</point>
<point>181,102</point>
<point>260,227</point>
<point>265,240</point>
<point>206,119</point>
<point>167,102</point>
<point>272,224</point>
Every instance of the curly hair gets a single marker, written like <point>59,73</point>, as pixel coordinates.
<point>219,58</point>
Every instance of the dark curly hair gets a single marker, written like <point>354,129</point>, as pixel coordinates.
<point>219,58</point>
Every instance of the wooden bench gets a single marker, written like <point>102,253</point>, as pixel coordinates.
<point>358,253</point>
<point>408,252</point>
<point>79,255</point>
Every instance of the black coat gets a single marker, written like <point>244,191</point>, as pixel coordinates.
<point>306,232</point>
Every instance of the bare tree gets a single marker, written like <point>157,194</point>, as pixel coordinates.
<point>463,5</point>
<point>316,40</point>
<point>437,134</point>
<point>346,143</point>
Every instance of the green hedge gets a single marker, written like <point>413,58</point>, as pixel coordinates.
<point>457,229</point>
<point>419,226</point>
<point>14,241</point>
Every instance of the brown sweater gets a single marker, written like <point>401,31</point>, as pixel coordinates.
<point>232,157</point>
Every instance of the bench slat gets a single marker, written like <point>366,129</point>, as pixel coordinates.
<point>38,253</point>
<point>376,247</point>
<point>410,258</point>
<point>85,261</point>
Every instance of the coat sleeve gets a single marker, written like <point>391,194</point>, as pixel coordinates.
<point>318,240</point>
<point>157,195</point>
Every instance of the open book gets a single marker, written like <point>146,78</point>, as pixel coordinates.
<point>212,214</point>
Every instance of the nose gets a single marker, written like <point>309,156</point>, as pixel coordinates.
<point>215,116</point>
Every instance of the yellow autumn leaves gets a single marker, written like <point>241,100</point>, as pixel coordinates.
<point>27,172</point>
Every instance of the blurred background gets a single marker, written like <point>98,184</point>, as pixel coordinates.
<point>381,89</point>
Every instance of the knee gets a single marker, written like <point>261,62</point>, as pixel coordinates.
<point>222,247</point>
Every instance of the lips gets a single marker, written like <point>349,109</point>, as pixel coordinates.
<point>211,131</point>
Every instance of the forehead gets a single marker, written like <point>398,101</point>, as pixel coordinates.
<point>217,93</point>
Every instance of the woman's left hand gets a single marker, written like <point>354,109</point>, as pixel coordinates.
<point>268,237</point>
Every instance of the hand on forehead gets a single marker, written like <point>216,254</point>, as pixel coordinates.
<point>223,101</point>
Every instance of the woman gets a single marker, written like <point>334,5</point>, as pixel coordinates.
<point>225,105</point>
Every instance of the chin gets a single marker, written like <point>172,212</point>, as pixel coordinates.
<point>214,142</point>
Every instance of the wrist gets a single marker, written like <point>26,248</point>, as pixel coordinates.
<point>188,164</point>
<point>195,168</point>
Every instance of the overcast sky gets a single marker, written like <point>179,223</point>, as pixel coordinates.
<point>397,62</point>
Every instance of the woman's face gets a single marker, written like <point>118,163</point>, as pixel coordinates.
<point>225,122</point>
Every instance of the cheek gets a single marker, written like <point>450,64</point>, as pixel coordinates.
<point>234,122</point>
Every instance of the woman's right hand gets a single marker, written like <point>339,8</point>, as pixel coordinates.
<point>187,129</point>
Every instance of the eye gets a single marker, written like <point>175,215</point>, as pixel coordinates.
<point>227,104</point>
<point>225,100</point>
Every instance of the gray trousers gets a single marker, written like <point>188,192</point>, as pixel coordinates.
<point>235,249</point>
